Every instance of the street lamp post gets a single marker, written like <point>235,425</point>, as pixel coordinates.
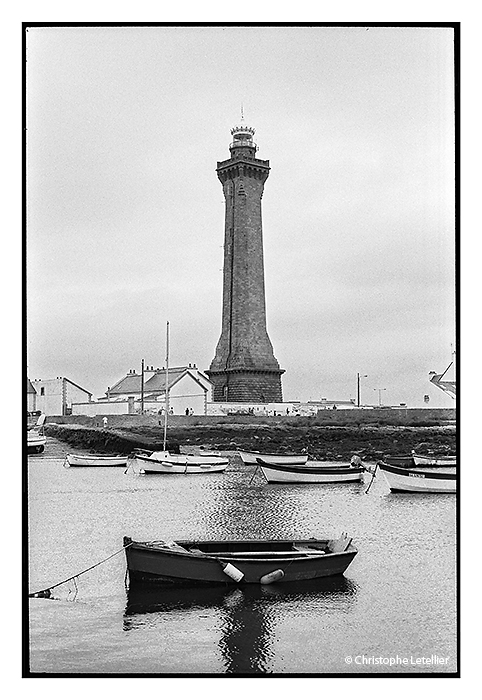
<point>358,376</point>
<point>379,395</point>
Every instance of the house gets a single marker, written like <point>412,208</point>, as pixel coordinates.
<point>55,397</point>
<point>189,391</point>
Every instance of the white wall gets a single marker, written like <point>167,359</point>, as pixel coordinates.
<point>187,393</point>
<point>93,408</point>
<point>75,394</point>
<point>31,402</point>
<point>53,400</point>
<point>261,409</point>
<point>50,402</point>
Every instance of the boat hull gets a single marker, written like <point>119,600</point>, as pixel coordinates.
<point>412,481</point>
<point>95,461</point>
<point>155,563</point>
<point>188,460</point>
<point>149,465</point>
<point>35,442</point>
<point>311,475</point>
<point>252,457</point>
<point>399,461</point>
<point>428,461</point>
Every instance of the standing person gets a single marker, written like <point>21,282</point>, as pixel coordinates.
<point>171,411</point>
<point>191,411</point>
<point>104,421</point>
<point>186,411</point>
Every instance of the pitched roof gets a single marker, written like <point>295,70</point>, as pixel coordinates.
<point>131,383</point>
<point>156,384</point>
<point>30,387</point>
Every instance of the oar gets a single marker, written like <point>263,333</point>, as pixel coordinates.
<point>373,476</point>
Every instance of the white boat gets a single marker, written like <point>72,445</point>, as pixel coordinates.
<point>418,481</point>
<point>312,474</point>
<point>252,458</point>
<point>95,461</point>
<point>163,462</point>
<point>36,439</point>
<point>434,461</point>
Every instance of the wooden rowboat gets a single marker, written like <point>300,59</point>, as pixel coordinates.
<point>241,561</point>
<point>418,481</point>
<point>252,457</point>
<point>95,461</point>
<point>332,474</point>
<point>434,461</point>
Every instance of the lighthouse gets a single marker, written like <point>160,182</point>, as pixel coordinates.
<point>244,367</point>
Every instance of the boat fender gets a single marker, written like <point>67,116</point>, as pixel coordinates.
<point>272,577</point>
<point>233,572</point>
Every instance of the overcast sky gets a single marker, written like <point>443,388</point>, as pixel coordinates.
<point>126,215</point>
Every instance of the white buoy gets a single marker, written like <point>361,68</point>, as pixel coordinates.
<point>233,572</point>
<point>272,577</point>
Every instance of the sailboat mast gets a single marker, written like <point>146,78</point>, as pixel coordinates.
<point>166,408</point>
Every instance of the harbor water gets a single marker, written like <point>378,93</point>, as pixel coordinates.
<point>393,612</point>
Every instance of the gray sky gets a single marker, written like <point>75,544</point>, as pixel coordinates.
<point>126,215</point>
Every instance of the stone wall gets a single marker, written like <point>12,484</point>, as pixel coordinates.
<point>382,417</point>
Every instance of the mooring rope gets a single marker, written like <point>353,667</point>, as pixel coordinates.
<point>47,592</point>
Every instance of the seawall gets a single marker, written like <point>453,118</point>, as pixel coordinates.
<point>371,434</point>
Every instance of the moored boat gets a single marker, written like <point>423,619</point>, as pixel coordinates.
<point>36,439</point>
<point>279,473</point>
<point>240,561</point>
<point>418,481</point>
<point>252,457</point>
<point>73,460</point>
<point>434,460</point>
<point>399,460</point>
<point>163,462</point>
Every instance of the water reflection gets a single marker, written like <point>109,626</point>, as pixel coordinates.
<point>247,615</point>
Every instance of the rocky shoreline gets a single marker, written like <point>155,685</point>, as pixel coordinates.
<point>321,442</point>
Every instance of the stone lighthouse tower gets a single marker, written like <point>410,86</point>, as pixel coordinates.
<point>244,367</point>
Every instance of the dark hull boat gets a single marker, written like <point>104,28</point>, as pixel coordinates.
<point>418,481</point>
<point>399,460</point>
<point>240,561</point>
<point>280,473</point>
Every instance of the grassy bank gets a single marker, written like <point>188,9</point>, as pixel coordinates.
<point>321,442</point>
